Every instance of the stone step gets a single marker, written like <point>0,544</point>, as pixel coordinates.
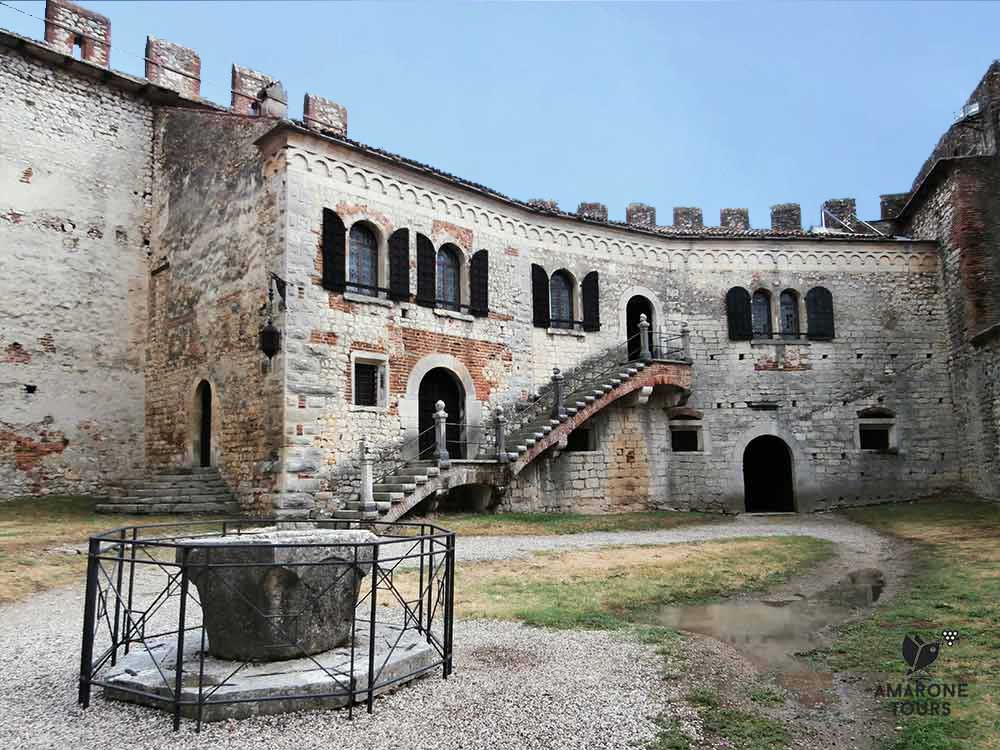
<point>227,508</point>
<point>159,499</point>
<point>388,497</point>
<point>214,489</point>
<point>354,515</point>
<point>407,479</point>
<point>389,487</point>
<point>175,476</point>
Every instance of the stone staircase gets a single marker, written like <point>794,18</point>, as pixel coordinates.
<point>396,494</point>
<point>174,490</point>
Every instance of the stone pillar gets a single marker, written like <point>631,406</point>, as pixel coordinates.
<point>558,412</point>
<point>500,425</point>
<point>367,482</point>
<point>892,203</point>
<point>441,435</point>
<point>734,218</point>
<point>688,218</point>
<point>686,340</point>
<point>839,212</point>
<point>641,215</point>
<point>644,353</point>
<point>786,217</point>
<point>595,211</point>
<point>322,114</point>
<point>173,66</point>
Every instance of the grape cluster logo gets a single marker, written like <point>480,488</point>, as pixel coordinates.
<point>921,695</point>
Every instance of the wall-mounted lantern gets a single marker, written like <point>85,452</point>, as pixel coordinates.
<point>270,336</point>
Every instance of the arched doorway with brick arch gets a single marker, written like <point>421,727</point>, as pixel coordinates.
<point>440,377</point>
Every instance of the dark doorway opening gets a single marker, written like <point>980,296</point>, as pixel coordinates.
<point>204,401</point>
<point>441,384</point>
<point>637,306</point>
<point>767,476</point>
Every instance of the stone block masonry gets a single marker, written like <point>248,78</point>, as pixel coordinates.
<point>74,222</point>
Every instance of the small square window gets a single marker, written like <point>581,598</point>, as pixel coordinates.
<point>684,440</point>
<point>580,439</point>
<point>369,387</point>
<point>875,437</point>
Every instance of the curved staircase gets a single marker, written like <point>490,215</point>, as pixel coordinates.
<point>529,437</point>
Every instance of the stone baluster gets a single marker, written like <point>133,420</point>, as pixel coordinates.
<point>644,353</point>
<point>367,506</point>
<point>558,412</point>
<point>441,435</point>
<point>500,425</point>
<point>686,340</point>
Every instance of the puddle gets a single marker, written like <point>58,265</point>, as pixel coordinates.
<point>770,632</point>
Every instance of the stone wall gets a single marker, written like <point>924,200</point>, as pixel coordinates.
<point>217,233</point>
<point>960,210</point>
<point>889,350</point>
<point>75,186</point>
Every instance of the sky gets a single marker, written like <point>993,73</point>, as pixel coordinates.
<point>671,104</point>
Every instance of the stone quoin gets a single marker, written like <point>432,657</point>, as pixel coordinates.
<point>144,230</point>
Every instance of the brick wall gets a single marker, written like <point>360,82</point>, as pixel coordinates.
<point>75,186</point>
<point>216,228</point>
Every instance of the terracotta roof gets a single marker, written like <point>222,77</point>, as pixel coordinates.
<point>663,231</point>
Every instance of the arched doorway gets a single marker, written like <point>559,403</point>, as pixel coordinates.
<point>441,384</point>
<point>637,305</point>
<point>767,476</point>
<point>203,424</point>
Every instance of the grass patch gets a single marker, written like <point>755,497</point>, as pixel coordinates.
<point>766,695</point>
<point>612,587</point>
<point>538,524</point>
<point>40,536</point>
<point>742,730</point>
<point>956,585</point>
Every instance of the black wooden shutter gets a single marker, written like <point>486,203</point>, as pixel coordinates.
<point>591,302</point>
<point>334,247</point>
<point>540,296</point>
<point>479,284</point>
<point>399,265</point>
<point>738,314</point>
<point>426,269</point>
<point>819,313</point>
<point>365,384</point>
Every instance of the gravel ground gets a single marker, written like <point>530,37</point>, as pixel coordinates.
<point>513,687</point>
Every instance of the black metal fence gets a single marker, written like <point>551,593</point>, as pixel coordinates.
<point>142,609</point>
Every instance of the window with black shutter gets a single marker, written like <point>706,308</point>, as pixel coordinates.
<point>561,308</point>
<point>539,296</point>
<point>366,385</point>
<point>479,284</point>
<point>819,313</point>
<point>399,265</point>
<point>363,261</point>
<point>760,314</point>
<point>684,440</point>
<point>738,314</point>
<point>426,275</point>
<point>334,248</point>
<point>449,278</point>
<point>591,302</point>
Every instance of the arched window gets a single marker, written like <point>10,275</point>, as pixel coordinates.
<point>789,318</point>
<point>819,313</point>
<point>363,261</point>
<point>562,299</point>
<point>448,277</point>
<point>760,314</point>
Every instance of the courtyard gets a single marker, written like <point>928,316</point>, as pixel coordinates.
<point>650,630</point>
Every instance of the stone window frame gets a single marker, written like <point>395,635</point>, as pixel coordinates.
<point>593,439</point>
<point>381,361</point>
<point>686,419</point>
<point>889,423</point>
